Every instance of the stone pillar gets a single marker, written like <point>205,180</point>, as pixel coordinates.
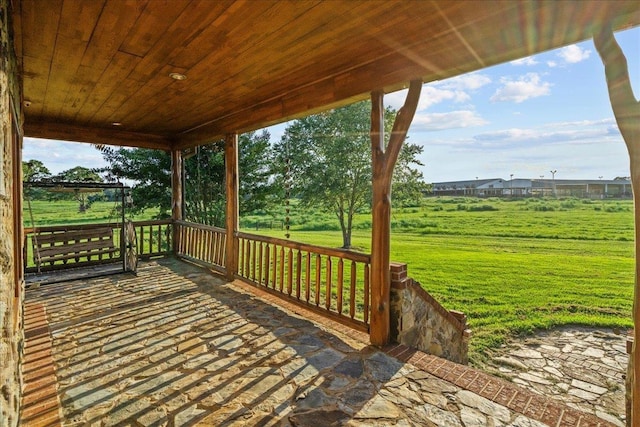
<point>11,286</point>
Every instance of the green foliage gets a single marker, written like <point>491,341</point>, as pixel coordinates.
<point>327,159</point>
<point>35,170</point>
<point>204,190</point>
<point>151,171</point>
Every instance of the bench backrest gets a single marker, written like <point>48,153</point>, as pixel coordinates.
<point>76,244</point>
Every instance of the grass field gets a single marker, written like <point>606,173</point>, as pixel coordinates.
<point>511,266</point>
<point>66,212</point>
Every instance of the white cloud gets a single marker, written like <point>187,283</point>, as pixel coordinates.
<point>451,120</point>
<point>429,96</point>
<point>58,156</point>
<point>528,61</point>
<point>471,81</point>
<point>552,64</point>
<point>454,89</point>
<point>525,87</point>
<point>567,133</point>
<point>573,54</point>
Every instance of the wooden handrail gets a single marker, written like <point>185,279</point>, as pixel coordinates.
<point>200,226</point>
<point>339,253</point>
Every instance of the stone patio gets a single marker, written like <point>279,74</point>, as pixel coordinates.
<point>584,367</point>
<point>177,346</point>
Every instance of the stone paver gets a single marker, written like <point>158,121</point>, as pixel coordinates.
<point>178,346</point>
<point>583,367</point>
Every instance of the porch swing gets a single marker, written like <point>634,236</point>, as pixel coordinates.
<point>68,252</point>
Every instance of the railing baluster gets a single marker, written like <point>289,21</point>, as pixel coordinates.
<point>253,261</point>
<point>318,275</point>
<point>247,258</point>
<point>267,264</point>
<point>328,285</point>
<point>339,289</point>
<point>290,272</point>
<point>352,291</point>
<point>260,263</point>
<point>274,270</point>
<point>298,272</point>
<point>307,274</point>
<point>282,262</point>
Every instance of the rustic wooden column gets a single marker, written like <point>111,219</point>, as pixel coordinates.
<point>383,162</point>
<point>176,194</point>
<point>626,110</point>
<point>232,184</point>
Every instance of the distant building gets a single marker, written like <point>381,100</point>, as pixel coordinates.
<point>522,187</point>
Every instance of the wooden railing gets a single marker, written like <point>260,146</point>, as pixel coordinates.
<point>333,282</point>
<point>201,243</point>
<point>153,239</point>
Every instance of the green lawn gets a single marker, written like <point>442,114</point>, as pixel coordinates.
<point>511,266</point>
<point>61,212</point>
<point>513,269</point>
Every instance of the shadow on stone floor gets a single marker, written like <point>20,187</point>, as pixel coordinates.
<point>177,345</point>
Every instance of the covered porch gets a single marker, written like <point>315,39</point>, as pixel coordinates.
<point>179,345</point>
<point>175,75</point>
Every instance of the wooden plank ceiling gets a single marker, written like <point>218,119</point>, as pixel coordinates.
<point>90,63</point>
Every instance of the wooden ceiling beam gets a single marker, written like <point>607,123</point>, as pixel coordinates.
<point>93,135</point>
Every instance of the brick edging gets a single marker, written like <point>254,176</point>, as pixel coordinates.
<point>516,398</point>
<point>40,401</point>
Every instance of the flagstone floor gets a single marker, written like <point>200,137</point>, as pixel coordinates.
<point>178,346</point>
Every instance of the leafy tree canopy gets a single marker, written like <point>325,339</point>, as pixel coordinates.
<point>328,157</point>
<point>34,170</point>
<point>204,190</point>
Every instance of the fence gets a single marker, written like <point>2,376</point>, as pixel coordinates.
<point>334,282</point>
<point>201,243</point>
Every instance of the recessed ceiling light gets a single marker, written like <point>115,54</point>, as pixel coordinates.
<point>178,76</point>
<point>116,124</point>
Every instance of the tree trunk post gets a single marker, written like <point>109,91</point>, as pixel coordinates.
<point>626,110</point>
<point>383,162</point>
<point>176,195</point>
<point>232,185</point>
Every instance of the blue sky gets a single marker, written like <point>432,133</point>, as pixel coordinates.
<point>546,112</point>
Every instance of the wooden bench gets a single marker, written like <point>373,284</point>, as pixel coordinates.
<point>74,245</point>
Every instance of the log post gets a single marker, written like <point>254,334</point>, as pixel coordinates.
<point>176,195</point>
<point>232,184</point>
<point>383,161</point>
<point>626,110</point>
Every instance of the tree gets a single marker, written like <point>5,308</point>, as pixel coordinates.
<point>204,190</point>
<point>330,163</point>
<point>151,171</point>
<point>204,179</point>
<point>34,170</point>
<point>84,175</point>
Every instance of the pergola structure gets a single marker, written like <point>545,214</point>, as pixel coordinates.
<point>172,75</point>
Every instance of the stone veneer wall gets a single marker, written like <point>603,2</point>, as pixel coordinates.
<point>11,326</point>
<point>419,321</point>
